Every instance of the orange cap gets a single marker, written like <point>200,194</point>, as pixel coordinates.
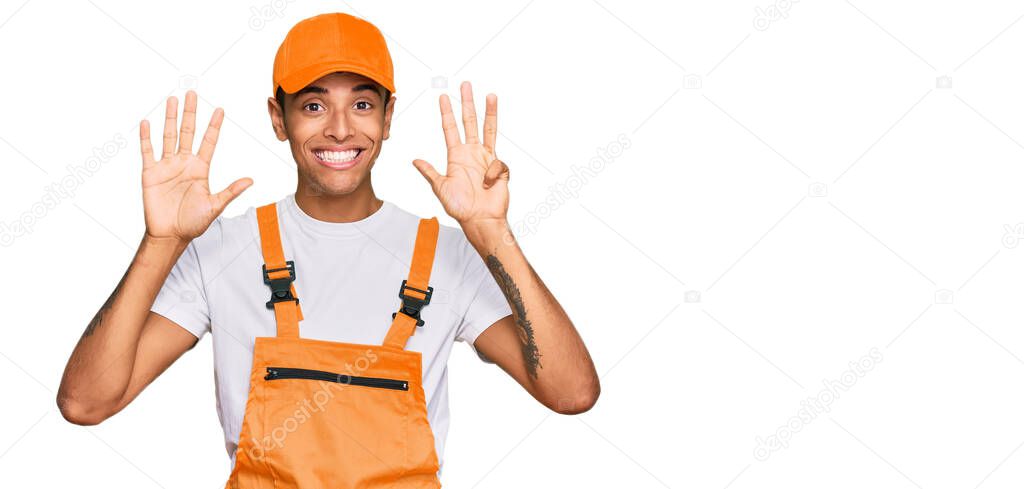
<point>321,45</point>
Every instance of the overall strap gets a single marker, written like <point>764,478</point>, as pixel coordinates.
<point>415,292</point>
<point>278,274</point>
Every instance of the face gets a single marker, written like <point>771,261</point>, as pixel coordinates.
<point>335,127</point>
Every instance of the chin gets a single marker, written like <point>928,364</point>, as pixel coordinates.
<point>335,184</point>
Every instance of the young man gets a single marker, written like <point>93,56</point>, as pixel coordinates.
<point>355,394</point>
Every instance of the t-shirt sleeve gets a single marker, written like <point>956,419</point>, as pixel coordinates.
<point>182,298</point>
<point>482,300</point>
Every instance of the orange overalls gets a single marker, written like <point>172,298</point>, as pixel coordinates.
<point>323,414</point>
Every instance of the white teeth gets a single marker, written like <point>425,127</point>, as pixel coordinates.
<point>337,156</point>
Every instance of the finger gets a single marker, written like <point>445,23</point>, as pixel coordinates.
<point>469,114</point>
<point>451,129</point>
<point>170,127</point>
<point>491,122</point>
<point>428,171</point>
<point>496,171</point>
<point>210,137</point>
<point>188,123</point>
<point>224,197</point>
<point>145,144</point>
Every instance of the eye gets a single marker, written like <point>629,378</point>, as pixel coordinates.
<point>363,105</point>
<point>316,106</point>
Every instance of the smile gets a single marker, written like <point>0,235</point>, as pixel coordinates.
<point>338,160</point>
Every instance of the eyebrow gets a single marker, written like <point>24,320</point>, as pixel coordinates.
<point>311,89</point>
<point>366,86</point>
<point>322,91</point>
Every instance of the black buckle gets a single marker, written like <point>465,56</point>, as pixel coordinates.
<point>280,288</point>
<point>411,306</point>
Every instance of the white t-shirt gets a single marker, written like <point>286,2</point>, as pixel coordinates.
<point>347,277</point>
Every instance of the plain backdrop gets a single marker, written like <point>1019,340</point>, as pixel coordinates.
<point>788,232</point>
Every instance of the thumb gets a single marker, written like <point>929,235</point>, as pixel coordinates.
<point>497,170</point>
<point>224,197</point>
<point>427,170</point>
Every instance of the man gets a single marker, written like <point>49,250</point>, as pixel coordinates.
<point>332,255</point>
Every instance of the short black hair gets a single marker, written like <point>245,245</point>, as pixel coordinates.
<point>280,96</point>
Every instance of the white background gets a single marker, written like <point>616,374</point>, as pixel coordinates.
<point>797,191</point>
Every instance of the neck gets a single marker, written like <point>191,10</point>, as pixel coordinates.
<point>350,207</point>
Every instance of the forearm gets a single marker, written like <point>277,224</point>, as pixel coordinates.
<point>100,367</point>
<point>557,362</point>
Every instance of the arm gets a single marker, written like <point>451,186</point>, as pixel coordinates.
<point>125,346</point>
<point>538,345</point>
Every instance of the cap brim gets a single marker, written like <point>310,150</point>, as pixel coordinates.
<point>301,78</point>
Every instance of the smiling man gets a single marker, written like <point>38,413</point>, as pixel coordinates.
<point>332,311</point>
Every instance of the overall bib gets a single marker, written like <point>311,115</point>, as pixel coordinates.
<point>323,414</point>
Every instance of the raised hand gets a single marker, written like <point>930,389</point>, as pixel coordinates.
<point>475,184</point>
<point>175,190</point>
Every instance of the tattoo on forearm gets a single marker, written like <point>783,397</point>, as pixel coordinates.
<point>97,320</point>
<point>529,347</point>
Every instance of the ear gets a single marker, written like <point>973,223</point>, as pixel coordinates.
<point>388,111</point>
<point>277,118</point>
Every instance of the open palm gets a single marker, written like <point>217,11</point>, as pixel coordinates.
<point>175,190</point>
<point>475,184</point>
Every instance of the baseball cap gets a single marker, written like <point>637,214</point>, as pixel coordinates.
<point>326,43</point>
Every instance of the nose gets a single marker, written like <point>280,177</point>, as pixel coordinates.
<point>339,126</point>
